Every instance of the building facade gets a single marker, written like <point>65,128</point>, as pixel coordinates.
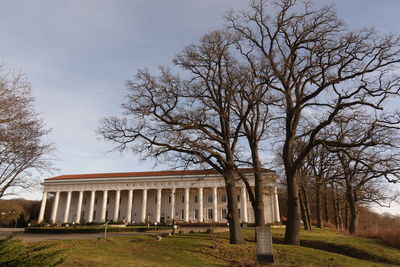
<point>157,196</point>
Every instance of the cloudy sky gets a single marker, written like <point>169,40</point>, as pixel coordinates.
<point>77,54</point>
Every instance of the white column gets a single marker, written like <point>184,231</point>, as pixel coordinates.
<point>243,202</point>
<point>129,206</point>
<point>79,208</point>
<point>42,207</point>
<point>172,203</point>
<point>277,217</point>
<point>104,206</point>
<point>116,207</point>
<point>144,205</point>
<point>67,205</point>
<point>187,204</point>
<point>215,203</point>
<point>158,211</point>
<point>200,204</point>
<point>91,207</point>
<point>55,207</point>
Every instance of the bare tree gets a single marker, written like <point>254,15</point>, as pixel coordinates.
<point>187,121</point>
<point>22,150</point>
<point>252,106</point>
<point>317,69</point>
<point>321,163</point>
<point>364,172</point>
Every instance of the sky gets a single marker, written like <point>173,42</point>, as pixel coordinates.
<point>78,54</point>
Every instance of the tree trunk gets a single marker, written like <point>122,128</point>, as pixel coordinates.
<point>259,187</point>
<point>318,204</point>
<point>235,234</point>
<point>353,219</point>
<point>351,199</point>
<point>293,209</point>
<point>346,216</point>
<point>335,210</point>
<point>326,210</point>
<point>306,204</point>
<point>303,210</point>
<point>340,219</point>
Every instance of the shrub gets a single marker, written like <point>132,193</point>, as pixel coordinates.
<point>388,236</point>
<point>203,224</point>
<point>89,230</point>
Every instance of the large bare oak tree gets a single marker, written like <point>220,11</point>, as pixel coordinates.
<point>318,69</point>
<point>188,120</point>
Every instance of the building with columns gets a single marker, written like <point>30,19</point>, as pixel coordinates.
<point>156,196</point>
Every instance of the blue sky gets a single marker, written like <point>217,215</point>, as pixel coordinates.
<point>77,54</point>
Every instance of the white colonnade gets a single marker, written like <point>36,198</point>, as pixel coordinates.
<point>192,205</point>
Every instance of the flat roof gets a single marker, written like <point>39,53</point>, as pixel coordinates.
<point>145,174</point>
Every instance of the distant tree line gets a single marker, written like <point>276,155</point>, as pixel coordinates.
<point>18,212</point>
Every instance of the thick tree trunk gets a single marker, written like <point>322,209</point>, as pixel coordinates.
<point>351,199</point>
<point>235,234</point>
<point>259,210</point>
<point>303,210</point>
<point>318,204</point>
<point>293,209</point>
<point>353,219</point>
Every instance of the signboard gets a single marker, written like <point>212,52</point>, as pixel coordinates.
<point>264,245</point>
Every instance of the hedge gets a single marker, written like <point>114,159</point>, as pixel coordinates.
<point>90,230</point>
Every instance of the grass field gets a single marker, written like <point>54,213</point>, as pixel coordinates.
<point>319,248</point>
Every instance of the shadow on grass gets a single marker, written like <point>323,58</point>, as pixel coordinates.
<point>15,253</point>
<point>345,250</point>
<point>340,249</point>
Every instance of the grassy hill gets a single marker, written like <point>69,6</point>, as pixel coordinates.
<point>319,248</point>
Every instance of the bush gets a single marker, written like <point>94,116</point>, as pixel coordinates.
<point>203,224</point>
<point>388,236</point>
<point>89,230</point>
<point>90,223</point>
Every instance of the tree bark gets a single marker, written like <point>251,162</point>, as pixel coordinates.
<point>303,210</point>
<point>351,199</point>
<point>335,210</point>
<point>318,206</point>
<point>326,210</point>
<point>340,219</point>
<point>346,216</point>
<point>259,211</point>
<point>235,234</point>
<point>306,204</point>
<point>293,210</point>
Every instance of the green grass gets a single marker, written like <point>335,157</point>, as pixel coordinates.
<point>327,248</point>
<point>13,252</point>
<point>320,248</point>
